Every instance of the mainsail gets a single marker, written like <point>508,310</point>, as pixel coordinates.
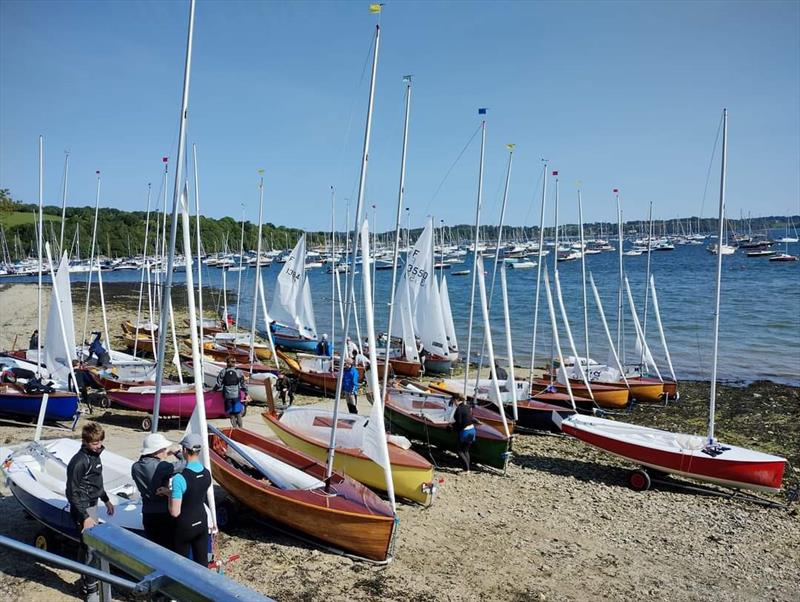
<point>449,326</point>
<point>418,293</point>
<point>57,357</point>
<point>291,306</point>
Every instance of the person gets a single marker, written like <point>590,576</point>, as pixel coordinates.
<point>151,473</point>
<point>464,425</point>
<point>285,386</point>
<point>351,347</point>
<point>324,347</point>
<point>81,386</point>
<point>500,371</point>
<point>186,503</point>
<point>359,359</point>
<point>96,348</point>
<point>231,381</point>
<point>34,342</point>
<point>84,488</point>
<point>350,386</point>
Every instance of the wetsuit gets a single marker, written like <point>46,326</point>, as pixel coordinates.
<point>464,425</point>
<point>191,525</point>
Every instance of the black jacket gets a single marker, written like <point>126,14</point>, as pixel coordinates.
<point>150,473</point>
<point>462,418</point>
<point>85,482</point>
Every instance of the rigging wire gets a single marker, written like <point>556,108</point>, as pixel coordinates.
<point>447,175</point>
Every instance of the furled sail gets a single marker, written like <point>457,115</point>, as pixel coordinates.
<point>449,326</point>
<point>57,357</point>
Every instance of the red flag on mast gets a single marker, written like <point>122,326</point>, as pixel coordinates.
<point>555,173</point>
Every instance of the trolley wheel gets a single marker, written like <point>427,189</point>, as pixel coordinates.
<point>147,423</point>
<point>639,480</point>
<point>45,540</point>
<point>227,514</point>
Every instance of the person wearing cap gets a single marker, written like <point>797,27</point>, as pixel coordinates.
<point>231,381</point>
<point>186,504</point>
<point>324,347</point>
<point>151,473</point>
<point>350,385</point>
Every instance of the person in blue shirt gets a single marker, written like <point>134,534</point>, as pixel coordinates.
<point>187,503</point>
<point>350,386</point>
<point>324,347</point>
<point>96,348</point>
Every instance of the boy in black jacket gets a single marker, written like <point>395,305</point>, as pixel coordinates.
<point>84,488</point>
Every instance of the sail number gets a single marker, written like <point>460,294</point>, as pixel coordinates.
<point>415,273</point>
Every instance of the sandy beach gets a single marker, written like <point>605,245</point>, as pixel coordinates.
<point>561,524</point>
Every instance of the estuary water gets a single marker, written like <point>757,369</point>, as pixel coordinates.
<point>759,319</point>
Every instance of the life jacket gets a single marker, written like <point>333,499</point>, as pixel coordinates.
<point>193,517</point>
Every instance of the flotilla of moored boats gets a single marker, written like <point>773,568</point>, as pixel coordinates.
<point>320,473</point>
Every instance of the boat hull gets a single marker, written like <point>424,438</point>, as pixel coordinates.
<point>180,404</point>
<point>355,519</point>
<point>406,368</point>
<point>436,364</point>
<point>488,451</point>
<point>604,396</point>
<point>734,467</point>
<point>410,482</point>
<point>294,343</point>
<point>60,405</point>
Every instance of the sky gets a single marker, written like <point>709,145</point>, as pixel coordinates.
<point>612,94</point>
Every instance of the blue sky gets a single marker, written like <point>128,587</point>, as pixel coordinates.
<point>614,94</point>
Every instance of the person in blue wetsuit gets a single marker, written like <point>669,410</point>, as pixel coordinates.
<point>186,504</point>
<point>96,348</point>
<point>350,386</point>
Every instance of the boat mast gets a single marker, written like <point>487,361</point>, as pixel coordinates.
<point>141,283</point>
<point>538,268</point>
<point>167,286</point>
<point>351,279</point>
<point>63,202</point>
<point>334,267</point>
<point>509,346</point>
<point>199,252</point>
<point>91,260</point>
<point>583,282</point>
<point>646,281</point>
<point>400,194</point>
<point>475,251</point>
<point>39,235</point>
<point>256,281</point>
<point>239,280</point>
<point>713,396</point>
<point>503,206</point>
<point>621,276</point>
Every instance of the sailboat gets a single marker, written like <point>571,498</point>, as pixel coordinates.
<point>58,353</point>
<point>700,458</point>
<point>294,326</point>
<point>785,256</point>
<point>418,297</point>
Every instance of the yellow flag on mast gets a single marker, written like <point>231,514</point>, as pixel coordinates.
<point>375,8</point>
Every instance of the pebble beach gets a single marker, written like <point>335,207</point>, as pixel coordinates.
<point>561,524</point>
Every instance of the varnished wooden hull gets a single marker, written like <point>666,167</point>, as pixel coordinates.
<point>406,368</point>
<point>144,344</point>
<point>353,518</point>
<point>604,396</point>
<point>411,474</point>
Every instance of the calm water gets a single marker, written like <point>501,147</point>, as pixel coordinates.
<point>760,316</point>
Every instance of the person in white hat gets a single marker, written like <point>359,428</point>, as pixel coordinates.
<point>151,473</point>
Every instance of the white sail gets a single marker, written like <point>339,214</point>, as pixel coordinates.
<point>407,330</point>
<point>422,295</point>
<point>291,306</point>
<point>58,358</point>
<point>449,326</point>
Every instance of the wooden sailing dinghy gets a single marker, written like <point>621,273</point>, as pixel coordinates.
<point>288,487</point>
<point>428,419</point>
<point>307,429</point>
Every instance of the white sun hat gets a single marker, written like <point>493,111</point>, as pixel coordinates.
<point>155,442</point>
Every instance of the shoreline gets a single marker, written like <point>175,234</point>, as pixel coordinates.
<point>561,524</point>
